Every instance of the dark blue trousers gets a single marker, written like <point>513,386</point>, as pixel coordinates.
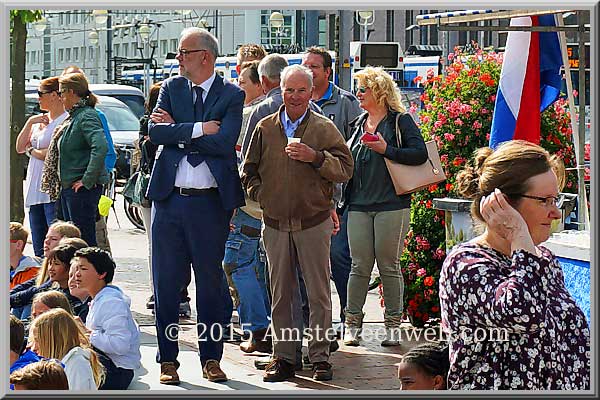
<point>341,262</point>
<point>190,230</point>
<point>41,216</point>
<point>81,208</point>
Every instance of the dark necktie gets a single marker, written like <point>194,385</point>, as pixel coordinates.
<point>197,159</point>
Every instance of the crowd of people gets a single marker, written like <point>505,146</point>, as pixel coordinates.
<point>268,189</point>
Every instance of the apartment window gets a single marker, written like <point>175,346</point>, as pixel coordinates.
<point>68,18</point>
<point>82,53</point>
<point>116,50</point>
<point>76,53</point>
<point>76,18</point>
<point>173,45</point>
<point>125,49</point>
<point>61,20</point>
<point>26,57</point>
<point>163,47</point>
<point>91,52</point>
<point>68,54</point>
<point>134,50</point>
<point>61,55</point>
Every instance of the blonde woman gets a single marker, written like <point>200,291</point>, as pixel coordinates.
<point>57,335</point>
<point>378,219</point>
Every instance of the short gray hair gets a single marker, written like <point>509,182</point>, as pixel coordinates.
<point>271,66</point>
<point>205,39</point>
<point>287,71</point>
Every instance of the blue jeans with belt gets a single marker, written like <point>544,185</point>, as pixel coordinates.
<point>243,257</point>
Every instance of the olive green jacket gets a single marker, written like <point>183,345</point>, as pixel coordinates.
<point>82,149</point>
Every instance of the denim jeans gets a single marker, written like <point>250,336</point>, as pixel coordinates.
<point>41,216</point>
<point>341,262</point>
<point>243,257</point>
<point>81,208</point>
<point>23,313</point>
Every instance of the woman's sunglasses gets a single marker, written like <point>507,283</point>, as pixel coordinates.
<point>40,93</point>
<point>361,89</point>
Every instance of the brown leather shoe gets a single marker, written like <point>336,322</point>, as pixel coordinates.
<point>279,370</point>
<point>168,373</point>
<point>212,371</point>
<point>262,346</point>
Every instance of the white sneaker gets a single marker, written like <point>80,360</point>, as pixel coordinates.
<point>351,336</point>
<point>392,337</point>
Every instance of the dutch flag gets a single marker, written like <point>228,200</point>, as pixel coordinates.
<point>530,81</point>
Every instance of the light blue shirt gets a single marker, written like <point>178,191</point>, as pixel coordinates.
<point>290,127</point>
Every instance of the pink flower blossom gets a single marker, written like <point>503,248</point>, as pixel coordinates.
<point>450,56</point>
<point>458,122</point>
<point>477,125</point>
<point>421,272</point>
<point>449,137</point>
<point>437,124</point>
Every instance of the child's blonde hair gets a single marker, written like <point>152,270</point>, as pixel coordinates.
<point>56,332</point>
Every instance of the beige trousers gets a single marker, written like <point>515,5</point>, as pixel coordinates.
<point>310,247</point>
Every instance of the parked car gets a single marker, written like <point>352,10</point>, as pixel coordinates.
<point>124,127</point>
<point>131,96</point>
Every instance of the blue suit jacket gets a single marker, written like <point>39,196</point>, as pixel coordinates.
<point>224,102</point>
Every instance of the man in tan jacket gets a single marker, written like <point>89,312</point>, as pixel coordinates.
<point>294,158</point>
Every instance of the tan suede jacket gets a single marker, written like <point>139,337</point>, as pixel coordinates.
<point>295,195</point>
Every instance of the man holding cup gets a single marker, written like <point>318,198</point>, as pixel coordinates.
<point>294,158</point>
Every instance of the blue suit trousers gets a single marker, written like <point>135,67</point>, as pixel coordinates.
<point>190,230</point>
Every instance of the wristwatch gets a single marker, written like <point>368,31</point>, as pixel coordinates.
<point>28,151</point>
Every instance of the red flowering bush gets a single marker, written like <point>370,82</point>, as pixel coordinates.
<point>457,114</point>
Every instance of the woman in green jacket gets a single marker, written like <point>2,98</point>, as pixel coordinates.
<point>75,166</point>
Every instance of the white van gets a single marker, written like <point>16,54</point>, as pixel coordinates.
<point>132,96</point>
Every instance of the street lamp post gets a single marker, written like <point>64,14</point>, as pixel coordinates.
<point>144,32</point>
<point>93,38</point>
<point>365,18</point>
<point>276,19</point>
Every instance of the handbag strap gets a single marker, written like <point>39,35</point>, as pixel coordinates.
<point>398,133</point>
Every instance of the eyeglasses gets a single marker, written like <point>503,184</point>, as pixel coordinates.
<point>362,89</point>
<point>184,52</point>
<point>42,93</point>
<point>547,201</point>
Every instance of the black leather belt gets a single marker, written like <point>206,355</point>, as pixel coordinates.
<point>194,192</point>
<point>250,231</point>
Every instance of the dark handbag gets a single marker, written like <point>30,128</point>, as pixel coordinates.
<point>412,178</point>
<point>141,187</point>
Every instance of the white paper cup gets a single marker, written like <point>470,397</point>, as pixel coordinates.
<point>293,140</point>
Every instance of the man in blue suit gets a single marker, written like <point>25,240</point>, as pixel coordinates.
<point>194,187</point>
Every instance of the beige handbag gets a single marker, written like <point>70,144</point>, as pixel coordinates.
<point>412,178</point>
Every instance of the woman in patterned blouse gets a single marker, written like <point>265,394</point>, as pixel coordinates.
<point>510,320</point>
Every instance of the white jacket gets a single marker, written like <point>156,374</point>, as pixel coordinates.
<point>114,331</point>
<point>79,370</point>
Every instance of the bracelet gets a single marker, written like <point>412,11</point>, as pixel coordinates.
<point>28,151</point>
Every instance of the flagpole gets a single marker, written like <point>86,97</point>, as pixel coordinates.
<point>582,208</point>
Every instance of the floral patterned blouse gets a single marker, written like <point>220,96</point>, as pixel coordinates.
<point>511,322</point>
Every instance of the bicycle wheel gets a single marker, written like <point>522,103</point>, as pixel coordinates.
<point>133,214</point>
